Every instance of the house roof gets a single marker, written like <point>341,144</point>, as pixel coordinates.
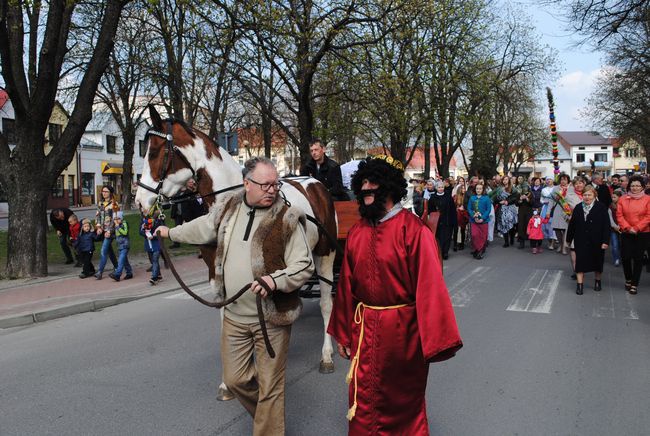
<point>417,162</point>
<point>98,121</point>
<point>583,138</point>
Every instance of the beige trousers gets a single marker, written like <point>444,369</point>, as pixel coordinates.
<point>255,379</point>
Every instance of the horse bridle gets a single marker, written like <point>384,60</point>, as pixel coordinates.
<point>168,158</point>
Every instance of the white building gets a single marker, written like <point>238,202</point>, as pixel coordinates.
<point>589,151</point>
<point>101,153</point>
<point>543,164</point>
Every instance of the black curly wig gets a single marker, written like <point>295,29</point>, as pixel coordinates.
<point>391,181</point>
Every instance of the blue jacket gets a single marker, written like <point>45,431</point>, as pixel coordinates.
<point>484,207</point>
<point>150,245</point>
<point>85,241</point>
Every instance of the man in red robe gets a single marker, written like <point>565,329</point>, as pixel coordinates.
<point>392,314</point>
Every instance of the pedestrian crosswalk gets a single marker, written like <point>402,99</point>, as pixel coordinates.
<point>539,292</point>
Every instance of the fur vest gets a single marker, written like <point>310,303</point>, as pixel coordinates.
<point>267,252</point>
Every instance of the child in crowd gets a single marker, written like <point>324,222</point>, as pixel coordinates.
<point>122,236</point>
<point>152,244</point>
<point>85,246</point>
<point>535,232</point>
<point>75,229</point>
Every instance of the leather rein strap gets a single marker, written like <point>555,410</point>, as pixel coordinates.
<point>260,311</point>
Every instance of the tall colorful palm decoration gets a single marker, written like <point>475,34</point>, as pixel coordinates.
<point>551,115</point>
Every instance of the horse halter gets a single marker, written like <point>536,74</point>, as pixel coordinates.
<point>168,159</point>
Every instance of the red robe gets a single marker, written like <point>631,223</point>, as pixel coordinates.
<point>393,263</point>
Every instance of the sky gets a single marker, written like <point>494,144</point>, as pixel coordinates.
<point>577,67</point>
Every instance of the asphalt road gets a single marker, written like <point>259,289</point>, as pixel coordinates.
<point>538,360</point>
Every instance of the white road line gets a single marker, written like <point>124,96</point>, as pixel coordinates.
<point>604,304</point>
<point>463,291</point>
<point>201,291</point>
<point>628,312</point>
<point>609,304</point>
<point>538,292</point>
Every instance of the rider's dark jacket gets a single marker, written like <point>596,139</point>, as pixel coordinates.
<point>329,174</point>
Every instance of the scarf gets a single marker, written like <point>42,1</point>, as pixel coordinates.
<point>636,196</point>
<point>587,208</point>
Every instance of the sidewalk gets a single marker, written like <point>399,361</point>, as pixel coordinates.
<point>63,293</point>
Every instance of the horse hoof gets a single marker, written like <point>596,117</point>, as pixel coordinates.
<point>224,395</point>
<point>326,367</point>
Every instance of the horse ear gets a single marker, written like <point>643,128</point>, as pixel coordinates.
<point>156,121</point>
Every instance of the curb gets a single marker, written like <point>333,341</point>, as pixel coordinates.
<point>63,311</point>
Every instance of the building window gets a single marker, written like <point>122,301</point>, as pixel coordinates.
<point>143,148</point>
<point>110,144</point>
<point>580,157</point>
<point>9,130</point>
<point>581,148</point>
<point>631,152</point>
<point>54,133</point>
<point>88,187</point>
<point>603,148</point>
<point>57,190</point>
<point>600,157</point>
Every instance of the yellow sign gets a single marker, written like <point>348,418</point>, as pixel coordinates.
<point>111,168</point>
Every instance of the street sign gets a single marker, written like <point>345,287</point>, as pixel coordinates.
<point>643,165</point>
<point>228,141</point>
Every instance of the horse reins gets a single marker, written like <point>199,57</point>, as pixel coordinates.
<point>168,161</point>
<point>244,289</point>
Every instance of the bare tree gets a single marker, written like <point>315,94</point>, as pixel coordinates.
<point>124,89</point>
<point>43,32</point>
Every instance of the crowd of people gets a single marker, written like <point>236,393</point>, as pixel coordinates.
<point>584,217</point>
<point>82,236</point>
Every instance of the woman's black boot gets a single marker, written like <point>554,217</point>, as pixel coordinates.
<point>579,288</point>
<point>597,286</point>
<point>506,243</point>
<point>522,244</point>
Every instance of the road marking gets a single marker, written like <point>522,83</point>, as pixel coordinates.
<point>604,305</point>
<point>538,292</point>
<point>628,311</point>
<point>463,291</point>
<point>607,305</point>
<point>201,291</point>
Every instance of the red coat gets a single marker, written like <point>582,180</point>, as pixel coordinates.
<point>633,213</point>
<point>393,263</point>
<point>535,232</point>
<point>74,231</point>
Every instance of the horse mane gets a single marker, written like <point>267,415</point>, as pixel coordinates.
<point>183,124</point>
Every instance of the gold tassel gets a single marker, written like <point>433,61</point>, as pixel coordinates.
<point>353,367</point>
<point>352,411</point>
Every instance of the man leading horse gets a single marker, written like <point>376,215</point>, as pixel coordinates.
<point>262,240</point>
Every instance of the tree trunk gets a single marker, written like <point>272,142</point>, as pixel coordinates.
<point>127,174</point>
<point>427,155</point>
<point>267,135</point>
<point>27,235</point>
<point>305,127</point>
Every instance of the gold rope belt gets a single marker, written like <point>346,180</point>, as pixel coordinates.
<point>354,365</point>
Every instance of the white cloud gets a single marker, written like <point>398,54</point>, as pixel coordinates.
<point>570,93</point>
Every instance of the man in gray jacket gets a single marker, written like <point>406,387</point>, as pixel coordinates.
<point>258,236</point>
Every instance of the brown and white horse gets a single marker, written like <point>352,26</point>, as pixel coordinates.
<point>177,152</point>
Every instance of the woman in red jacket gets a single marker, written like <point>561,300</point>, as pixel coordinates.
<point>633,216</point>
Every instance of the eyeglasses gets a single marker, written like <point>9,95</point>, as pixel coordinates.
<point>636,185</point>
<point>266,186</point>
